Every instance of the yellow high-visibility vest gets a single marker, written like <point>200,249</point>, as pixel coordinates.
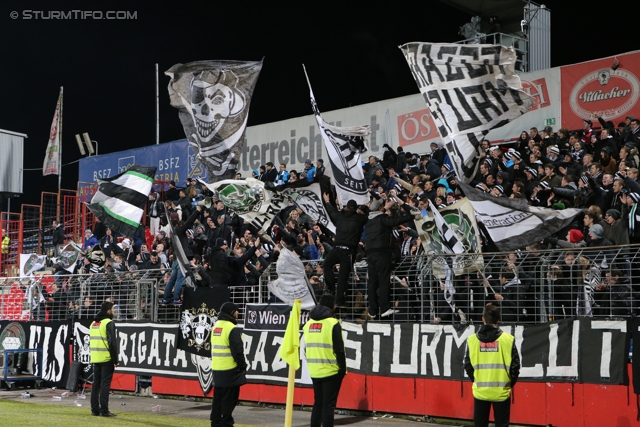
<point>491,363</point>
<point>5,244</point>
<point>321,359</point>
<point>98,345</point>
<point>221,358</point>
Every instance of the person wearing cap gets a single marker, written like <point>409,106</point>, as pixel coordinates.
<point>104,352</point>
<point>320,167</point>
<point>228,365</point>
<point>497,191</point>
<point>616,229</point>
<point>349,223</point>
<point>438,153</point>
<point>553,156</point>
<point>309,171</point>
<point>492,362</point>
<point>596,233</point>
<point>536,199</point>
<point>89,240</point>
<point>379,249</point>
<point>574,239</point>
<point>326,360</point>
<point>531,181</point>
<point>548,138</point>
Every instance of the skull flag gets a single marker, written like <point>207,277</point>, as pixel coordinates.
<point>213,98</point>
<point>470,89</point>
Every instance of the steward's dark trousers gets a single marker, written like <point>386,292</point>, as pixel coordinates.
<point>224,402</point>
<point>342,257</point>
<point>325,396</point>
<point>501,412</point>
<point>379,286</point>
<point>102,375</point>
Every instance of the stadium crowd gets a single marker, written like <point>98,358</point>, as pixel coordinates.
<point>596,172</point>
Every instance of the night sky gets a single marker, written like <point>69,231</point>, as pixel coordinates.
<point>349,48</point>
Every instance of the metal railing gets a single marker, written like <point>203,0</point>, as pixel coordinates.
<point>519,43</point>
<point>529,287</point>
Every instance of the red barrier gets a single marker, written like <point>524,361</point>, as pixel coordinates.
<point>560,404</point>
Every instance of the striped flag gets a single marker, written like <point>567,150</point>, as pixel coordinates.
<point>119,202</point>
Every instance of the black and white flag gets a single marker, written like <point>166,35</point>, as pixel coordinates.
<point>469,89</point>
<point>450,242</point>
<point>344,145</point>
<point>512,223</point>
<point>199,313</point>
<point>259,205</point>
<point>120,201</point>
<point>213,98</point>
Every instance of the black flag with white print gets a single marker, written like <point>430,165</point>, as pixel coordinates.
<point>469,89</point>
<point>344,145</point>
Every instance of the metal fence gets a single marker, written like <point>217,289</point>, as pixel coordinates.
<point>529,287</point>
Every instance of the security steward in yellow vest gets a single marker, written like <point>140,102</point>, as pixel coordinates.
<point>104,352</point>
<point>5,243</point>
<point>492,362</point>
<point>228,365</point>
<point>324,351</point>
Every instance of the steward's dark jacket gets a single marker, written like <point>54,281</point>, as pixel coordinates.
<point>112,338</point>
<point>320,312</point>
<point>490,333</point>
<point>232,377</point>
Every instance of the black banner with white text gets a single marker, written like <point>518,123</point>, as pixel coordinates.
<point>576,350</point>
<point>53,338</point>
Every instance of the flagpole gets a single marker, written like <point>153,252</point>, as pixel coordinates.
<point>157,109</point>
<point>291,384</point>
<point>60,143</point>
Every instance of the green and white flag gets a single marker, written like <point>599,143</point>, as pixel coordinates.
<point>119,202</point>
